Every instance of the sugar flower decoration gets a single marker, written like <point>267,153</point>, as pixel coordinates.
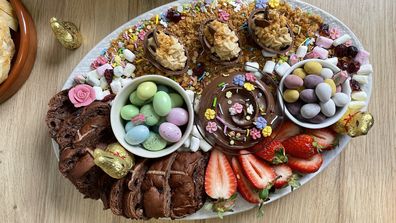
<point>334,32</point>
<point>261,122</point>
<point>236,109</point>
<point>210,114</point>
<point>211,127</point>
<point>142,34</point>
<point>223,15</point>
<point>239,80</point>
<point>293,59</point>
<point>81,95</point>
<point>250,77</point>
<point>228,94</point>
<point>249,86</point>
<point>250,109</point>
<point>273,3</point>
<point>267,131</point>
<point>255,134</point>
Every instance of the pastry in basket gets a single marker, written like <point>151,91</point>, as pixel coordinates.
<point>7,47</point>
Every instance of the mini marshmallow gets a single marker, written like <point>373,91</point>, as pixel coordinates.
<point>190,72</point>
<point>79,79</point>
<point>326,73</point>
<point>251,66</point>
<point>187,142</point>
<point>205,146</point>
<point>103,68</point>
<point>340,77</point>
<point>362,79</point>
<point>365,69</point>
<point>302,51</point>
<point>333,60</point>
<point>195,132</point>
<point>194,144</point>
<point>93,78</point>
<point>281,69</point>
<point>196,104</point>
<point>342,39</point>
<point>98,93</point>
<point>116,86</point>
<point>118,71</point>
<point>129,55</point>
<point>125,81</point>
<point>269,67</point>
<point>268,54</point>
<point>103,83</point>
<point>362,56</point>
<point>359,96</point>
<point>324,42</point>
<point>258,74</point>
<point>129,69</point>
<point>357,105</point>
<point>323,53</point>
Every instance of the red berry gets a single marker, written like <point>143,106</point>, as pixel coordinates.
<point>173,15</point>
<point>324,29</point>
<point>341,50</point>
<point>354,85</point>
<point>342,64</point>
<point>352,51</point>
<point>353,67</point>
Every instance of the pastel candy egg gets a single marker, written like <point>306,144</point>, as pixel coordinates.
<point>178,116</point>
<point>308,96</point>
<point>146,90</point>
<point>332,85</point>
<point>151,118</point>
<point>170,132</point>
<point>293,82</point>
<point>300,73</point>
<point>129,126</point>
<point>310,110</point>
<point>311,81</point>
<point>155,128</point>
<point>129,111</point>
<point>318,119</point>
<point>137,135</point>
<point>326,73</point>
<point>176,100</point>
<point>162,103</point>
<point>135,100</point>
<point>294,108</point>
<point>328,108</point>
<point>323,92</point>
<point>313,67</point>
<point>154,142</point>
<point>340,99</point>
<point>290,96</point>
<point>162,88</point>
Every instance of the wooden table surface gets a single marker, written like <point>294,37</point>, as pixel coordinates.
<point>359,186</point>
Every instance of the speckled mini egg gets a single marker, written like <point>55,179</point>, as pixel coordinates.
<point>309,111</point>
<point>341,99</point>
<point>135,100</point>
<point>313,67</point>
<point>154,142</point>
<point>290,96</point>
<point>293,82</point>
<point>323,92</point>
<point>300,73</point>
<point>176,100</point>
<point>311,81</point>
<point>162,103</point>
<point>308,96</point>
<point>129,111</point>
<point>177,116</point>
<point>151,118</point>
<point>129,126</point>
<point>326,73</point>
<point>137,135</point>
<point>328,108</point>
<point>170,132</point>
<point>146,90</point>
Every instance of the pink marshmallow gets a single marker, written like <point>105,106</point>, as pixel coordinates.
<point>103,68</point>
<point>324,42</point>
<point>362,57</point>
<point>322,53</point>
<point>340,77</point>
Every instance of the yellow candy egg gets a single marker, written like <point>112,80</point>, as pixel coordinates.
<point>313,67</point>
<point>332,85</point>
<point>291,96</point>
<point>300,72</point>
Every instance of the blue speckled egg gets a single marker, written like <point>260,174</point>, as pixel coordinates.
<point>137,135</point>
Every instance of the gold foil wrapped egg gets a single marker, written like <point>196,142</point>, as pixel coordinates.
<point>354,123</point>
<point>115,160</point>
<point>66,33</point>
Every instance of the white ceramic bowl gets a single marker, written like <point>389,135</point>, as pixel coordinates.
<point>122,98</point>
<point>329,121</point>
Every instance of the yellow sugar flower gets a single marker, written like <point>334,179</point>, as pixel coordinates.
<point>273,3</point>
<point>248,86</point>
<point>267,131</point>
<point>210,114</point>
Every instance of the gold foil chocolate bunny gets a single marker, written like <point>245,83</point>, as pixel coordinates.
<point>354,123</point>
<point>66,33</point>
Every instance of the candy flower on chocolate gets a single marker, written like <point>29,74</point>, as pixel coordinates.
<point>81,95</point>
<point>211,127</point>
<point>267,131</point>
<point>210,114</point>
<point>239,80</point>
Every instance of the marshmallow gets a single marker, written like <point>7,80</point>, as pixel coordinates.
<point>333,60</point>
<point>269,67</point>
<point>190,72</point>
<point>98,93</point>
<point>324,42</point>
<point>357,105</point>
<point>125,81</point>
<point>129,55</point>
<point>93,78</point>
<point>340,77</point>
<point>302,51</point>
<point>129,69</point>
<point>362,56</point>
<point>268,54</point>
<point>281,69</point>
<point>322,53</point>
<point>101,70</point>
<point>79,79</point>
<point>359,96</point>
<point>205,146</point>
<point>342,39</point>
<point>195,132</point>
<point>103,83</point>
<point>187,143</point>
<point>365,69</point>
<point>251,66</point>
<point>362,79</point>
<point>258,74</point>
<point>115,86</point>
<point>118,71</point>
<point>194,144</point>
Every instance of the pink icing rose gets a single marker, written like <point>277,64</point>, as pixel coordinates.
<point>334,32</point>
<point>255,134</point>
<point>82,95</point>
<point>250,77</point>
<point>211,127</point>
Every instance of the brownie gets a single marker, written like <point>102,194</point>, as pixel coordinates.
<point>116,197</point>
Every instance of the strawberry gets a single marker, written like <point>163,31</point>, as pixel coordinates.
<point>286,130</point>
<point>220,183</point>
<point>310,165</point>
<point>285,177</point>
<point>326,138</point>
<point>245,188</point>
<point>301,146</point>
<point>260,174</point>
<point>273,152</point>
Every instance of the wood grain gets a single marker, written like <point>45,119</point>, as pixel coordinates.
<point>359,186</point>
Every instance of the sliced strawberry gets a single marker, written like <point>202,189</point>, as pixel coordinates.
<point>302,146</point>
<point>326,138</point>
<point>260,174</point>
<point>245,188</point>
<point>285,177</point>
<point>220,180</point>
<point>286,130</point>
<point>306,165</point>
<point>273,152</point>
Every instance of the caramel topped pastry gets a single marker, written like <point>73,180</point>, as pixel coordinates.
<point>165,52</point>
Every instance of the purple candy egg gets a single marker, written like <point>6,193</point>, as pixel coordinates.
<point>170,132</point>
<point>178,116</point>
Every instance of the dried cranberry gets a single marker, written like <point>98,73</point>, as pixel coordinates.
<point>352,51</point>
<point>173,15</point>
<point>108,74</point>
<point>353,67</point>
<point>324,29</point>
<point>341,50</point>
<point>342,64</point>
<point>354,85</point>
<point>199,69</point>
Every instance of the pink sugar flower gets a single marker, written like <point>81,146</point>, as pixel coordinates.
<point>81,95</point>
<point>223,15</point>
<point>255,134</point>
<point>250,77</point>
<point>334,32</point>
<point>142,34</point>
<point>211,127</point>
<point>238,108</point>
